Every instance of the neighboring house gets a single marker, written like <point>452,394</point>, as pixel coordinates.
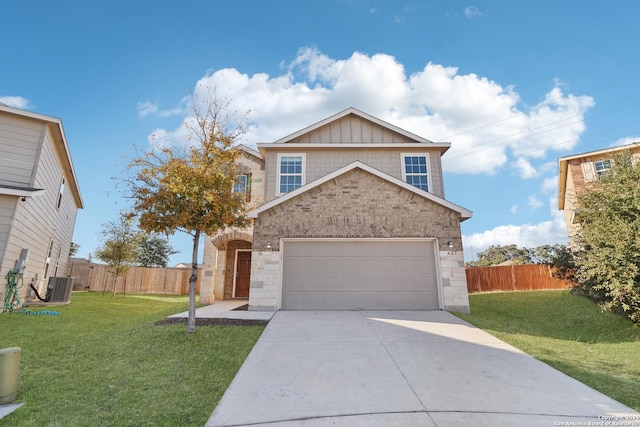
<point>577,173</point>
<point>39,197</point>
<point>350,215</point>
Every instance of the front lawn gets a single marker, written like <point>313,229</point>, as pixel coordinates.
<point>568,332</point>
<point>104,362</point>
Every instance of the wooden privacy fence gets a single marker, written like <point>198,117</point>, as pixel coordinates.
<point>527,277</point>
<point>138,280</point>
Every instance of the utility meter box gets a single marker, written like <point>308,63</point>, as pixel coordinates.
<point>9,373</point>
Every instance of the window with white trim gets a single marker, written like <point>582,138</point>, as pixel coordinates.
<point>415,170</point>
<point>240,186</point>
<point>47,261</point>
<point>61,192</point>
<point>290,172</point>
<point>602,167</point>
<point>55,272</point>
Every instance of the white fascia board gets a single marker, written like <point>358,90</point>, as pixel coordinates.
<point>465,213</point>
<point>249,150</point>
<point>602,153</point>
<point>21,192</point>
<point>264,146</point>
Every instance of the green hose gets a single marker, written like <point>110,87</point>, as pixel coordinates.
<point>11,299</point>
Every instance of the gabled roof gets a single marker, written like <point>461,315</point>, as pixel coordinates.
<point>563,165</point>
<point>249,150</point>
<point>57,129</point>
<point>465,213</point>
<point>358,113</point>
<point>354,129</point>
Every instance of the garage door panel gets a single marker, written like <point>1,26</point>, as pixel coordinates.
<point>367,275</point>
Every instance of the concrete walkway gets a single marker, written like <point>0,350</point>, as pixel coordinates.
<point>400,369</point>
<point>227,310</point>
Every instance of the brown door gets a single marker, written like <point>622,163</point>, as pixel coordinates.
<point>243,274</point>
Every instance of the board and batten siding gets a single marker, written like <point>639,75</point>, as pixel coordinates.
<point>38,219</point>
<point>321,162</point>
<point>19,143</point>
<point>351,129</point>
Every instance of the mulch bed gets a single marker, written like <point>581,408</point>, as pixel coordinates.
<point>212,322</point>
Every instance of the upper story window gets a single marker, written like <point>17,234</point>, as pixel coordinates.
<point>414,170</point>
<point>290,172</point>
<point>602,167</point>
<point>60,193</point>
<point>240,186</point>
<point>593,171</point>
<point>243,185</point>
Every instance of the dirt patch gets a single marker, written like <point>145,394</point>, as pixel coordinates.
<point>212,322</point>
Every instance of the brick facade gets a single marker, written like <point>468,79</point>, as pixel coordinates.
<point>356,204</point>
<point>573,181</point>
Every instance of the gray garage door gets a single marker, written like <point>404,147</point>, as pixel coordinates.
<point>359,275</point>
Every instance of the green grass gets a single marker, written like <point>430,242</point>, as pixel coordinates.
<point>103,362</point>
<point>569,333</point>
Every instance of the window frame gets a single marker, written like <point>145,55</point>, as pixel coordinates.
<point>280,174</point>
<point>47,260</point>
<point>63,183</point>
<point>246,183</point>
<point>247,186</point>
<point>602,172</point>
<point>403,157</point>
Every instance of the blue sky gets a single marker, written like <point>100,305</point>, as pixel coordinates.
<point>512,85</point>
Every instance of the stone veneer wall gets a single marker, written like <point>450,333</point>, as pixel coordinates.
<point>214,274</point>
<point>265,280</point>
<point>454,281</point>
<point>356,205</point>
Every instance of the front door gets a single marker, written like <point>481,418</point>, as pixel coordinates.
<point>243,274</point>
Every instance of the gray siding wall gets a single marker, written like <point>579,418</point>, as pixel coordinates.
<point>7,209</point>
<point>319,163</point>
<point>38,220</point>
<point>19,143</point>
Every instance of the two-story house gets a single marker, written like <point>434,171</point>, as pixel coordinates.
<point>350,215</point>
<point>39,197</point>
<point>578,172</point>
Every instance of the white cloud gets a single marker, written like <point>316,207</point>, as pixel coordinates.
<point>523,168</point>
<point>146,108</point>
<point>533,202</point>
<point>514,209</point>
<point>550,185</point>
<point>472,11</point>
<point>525,235</point>
<point>623,141</point>
<point>485,122</point>
<point>16,102</point>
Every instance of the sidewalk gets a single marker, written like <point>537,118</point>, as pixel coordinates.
<point>227,310</point>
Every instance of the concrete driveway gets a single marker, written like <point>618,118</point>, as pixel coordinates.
<point>429,368</point>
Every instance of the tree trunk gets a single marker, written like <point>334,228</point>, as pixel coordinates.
<point>115,284</point>
<point>191,322</point>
